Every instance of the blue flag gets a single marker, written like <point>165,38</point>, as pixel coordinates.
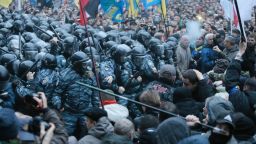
<point>114,9</point>
<point>149,3</point>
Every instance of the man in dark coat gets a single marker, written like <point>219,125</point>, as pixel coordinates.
<point>243,100</point>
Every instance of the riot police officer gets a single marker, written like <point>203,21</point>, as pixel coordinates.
<point>7,97</point>
<point>72,98</point>
<point>144,63</point>
<point>47,77</point>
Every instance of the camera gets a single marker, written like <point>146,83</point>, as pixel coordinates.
<point>35,125</point>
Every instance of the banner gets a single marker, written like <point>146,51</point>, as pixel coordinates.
<point>83,16</point>
<point>92,8</point>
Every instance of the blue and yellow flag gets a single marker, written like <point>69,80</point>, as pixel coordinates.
<point>114,9</point>
<point>163,7</point>
<point>133,8</point>
<point>5,3</point>
<point>149,3</point>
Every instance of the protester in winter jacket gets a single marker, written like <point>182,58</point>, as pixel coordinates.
<point>186,105</point>
<point>208,55</point>
<point>243,101</point>
<point>98,125</point>
<point>223,132</point>
<point>194,80</point>
<point>183,55</point>
<point>217,108</point>
<point>245,128</point>
<point>172,130</point>
<point>196,139</point>
<point>230,50</point>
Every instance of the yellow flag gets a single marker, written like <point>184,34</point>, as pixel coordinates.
<point>5,3</point>
<point>132,7</point>
<point>163,4</point>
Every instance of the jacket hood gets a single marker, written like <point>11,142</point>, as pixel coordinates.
<point>218,108</point>
<point>196,139</point>
<point>172,130</point>
<point>102,127</point>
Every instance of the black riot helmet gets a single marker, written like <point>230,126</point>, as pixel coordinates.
<point>95,53</point>
<point>49,61</point>
<point>13,67</point>
<point>80,34</point>
<point>88,42</point>
<point>29,27</point>
<point>47,37</point>
<point>112,36</point>
<point>101,37</point>
<point>13,45</point>
<point>6,59</point>
<point>153,42</point>
<point>108,45</point>
<point>29,51</point>
<point>138,54</point>
<point>2,40</point>
<point>130,43</point>
<point>28,36</point>
<point>18,26</point>
<point>68,46</point>
<point>158,50</point>
<point>143,37</point>
<point>169,48</point>
<point>4,78</point>
<point>81,63</point>
<point>121,53</point>
<point>123,39</point>
<point>25,67</point>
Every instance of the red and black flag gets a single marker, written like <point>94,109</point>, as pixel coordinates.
<point>88,8</point>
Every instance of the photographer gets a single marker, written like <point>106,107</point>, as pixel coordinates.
<point>59,135</point>
<point>45,129</point>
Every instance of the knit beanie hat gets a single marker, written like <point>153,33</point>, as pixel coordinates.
<point>95,113</point>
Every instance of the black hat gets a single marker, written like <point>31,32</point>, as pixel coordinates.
<point>95,113</point>
<point>227,120</point>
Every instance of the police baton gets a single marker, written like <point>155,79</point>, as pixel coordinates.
<point>43,31</point>
<point>143,104</point>
<point>55,32</point>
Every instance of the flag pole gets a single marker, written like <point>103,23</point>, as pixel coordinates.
<point>231,17</point>
<point>240,22</point>
<point>166,31</point>
<point>92,58</point>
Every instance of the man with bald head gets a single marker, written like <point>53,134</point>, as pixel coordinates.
<point>183,55</point>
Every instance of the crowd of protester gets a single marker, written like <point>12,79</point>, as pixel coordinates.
<point>201,86</point>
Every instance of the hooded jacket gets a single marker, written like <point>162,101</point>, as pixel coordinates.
<point>218,108</point>
<point>243,101</point>
<point>182,98</point>
<point>172,130</point>
<point>196,139</point>
<point>95,134</point>
<point>230,53</point>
